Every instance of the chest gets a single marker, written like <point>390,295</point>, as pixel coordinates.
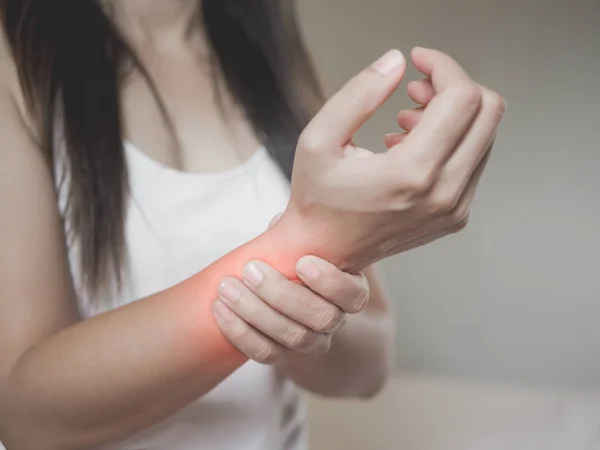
<point>179,222</point>
<point>181,106</point>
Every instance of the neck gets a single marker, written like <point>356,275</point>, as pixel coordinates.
<point>157,23</point>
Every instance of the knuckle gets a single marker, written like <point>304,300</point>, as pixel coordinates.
<point>359,302</point>
<point>296,337</point>
<point>442,203</point>
<point>238,334</point>
<point>421,181</point>
<point>323,348</point>
<point>418,181</point>
<point>277,299</point>
<point>495,103</point>
<point>265,354</point>
<point>468,95</point>
<point>328,319</point>
<point>460,220</point>
<point>309,142</point>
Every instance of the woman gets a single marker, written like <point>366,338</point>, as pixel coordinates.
<point>135,276</point>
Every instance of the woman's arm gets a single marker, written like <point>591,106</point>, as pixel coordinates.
<point>105,378</point>
<point>66,383</point>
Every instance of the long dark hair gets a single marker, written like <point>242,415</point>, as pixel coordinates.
<point>70,58</point>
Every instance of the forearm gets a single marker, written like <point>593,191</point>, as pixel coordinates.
<point>358,363</point>
<point>105,379</point>
<point>109,377</point>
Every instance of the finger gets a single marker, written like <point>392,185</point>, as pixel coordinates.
<point>459,169</point>
<point>292,300</point>
<point>421,91</point>
<point>340,117</point>
<point>349,292</point>
<point>460,214</point>
<point>257,313</point>
<point>442,70</point>
<point>245,338</point>
<point>409,118</point>
<point>449,114</point>
<point>393,139</point>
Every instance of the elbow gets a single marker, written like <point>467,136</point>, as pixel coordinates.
<point>20,430</point>
<point>374,390</point>
<point>379,373</point>
<point>376,384</point>
<point>364,384</point>
<point>361,386</point>
<point>13,433</point>
<point>21,427</point>
<point>23,441</point>
<point>23,435</point>
<point>17,430</point>
<point>31,436</point>
<point>382,368</point>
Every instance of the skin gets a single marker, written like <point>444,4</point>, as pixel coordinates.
<point>157,30</point>
<point>80,384</point>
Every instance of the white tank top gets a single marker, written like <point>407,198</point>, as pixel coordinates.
<point>177,224</point>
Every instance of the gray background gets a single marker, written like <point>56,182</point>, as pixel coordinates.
<point>515,297</point>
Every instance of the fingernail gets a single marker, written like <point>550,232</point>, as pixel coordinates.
<point>389,62</point>
<point>252,274</point>
<point>229,292</point>
<point>223,311</point>
<point>307,269</point>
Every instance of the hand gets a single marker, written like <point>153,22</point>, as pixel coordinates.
<point>420,92</point>
<point>274,321</point>
<point>355,207</point>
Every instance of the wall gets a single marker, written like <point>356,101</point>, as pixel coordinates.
<point>515,297</point>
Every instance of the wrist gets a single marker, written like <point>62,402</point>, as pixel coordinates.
<point>283,244</point>
<point>296,235</point>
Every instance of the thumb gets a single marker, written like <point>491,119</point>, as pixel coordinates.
<point>341,117</point>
